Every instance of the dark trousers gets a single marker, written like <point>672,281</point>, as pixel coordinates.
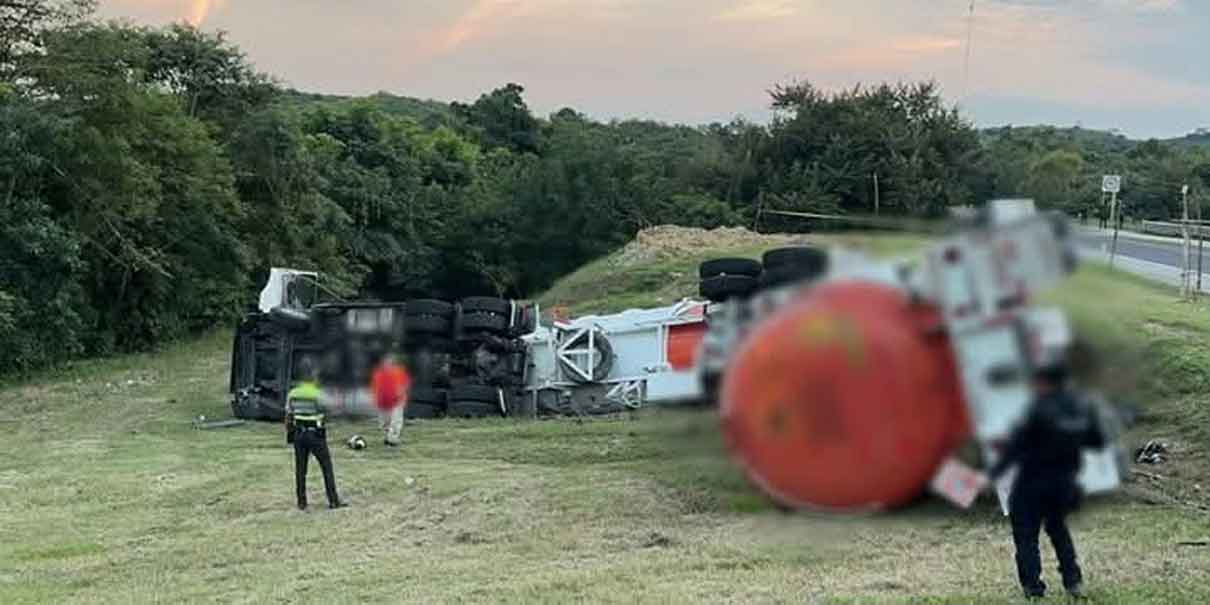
<point>306,443</point>
<point>1043,503</point>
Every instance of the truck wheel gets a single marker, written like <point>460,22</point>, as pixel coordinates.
<point>474,409</point>
<point>483,304</point>
<point>425,306</point>
<point>426,411</point>
<point>476,392</point>
<point>812,260</point>
<point>484,322</point>
<point>785,275</point>
<point>729,266</point>
<point>724,287</point>
<point>426,324</point>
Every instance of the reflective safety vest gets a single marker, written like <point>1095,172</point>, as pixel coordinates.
<point>303,403</point>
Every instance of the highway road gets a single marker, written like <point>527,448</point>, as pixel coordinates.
<point>1167,253</point>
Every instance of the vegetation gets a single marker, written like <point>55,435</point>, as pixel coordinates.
<point>149,177</point>
<point>127,503</point>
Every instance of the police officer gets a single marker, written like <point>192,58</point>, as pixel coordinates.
<point>305,425</point>
<point>1048,448</point>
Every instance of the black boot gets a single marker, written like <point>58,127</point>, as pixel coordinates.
<point>1076,590</point>
<point>337,504</point>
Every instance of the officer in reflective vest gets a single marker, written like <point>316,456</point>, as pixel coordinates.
<point>305,419</point>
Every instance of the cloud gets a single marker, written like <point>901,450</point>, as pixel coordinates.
<point>194,12</point>
<point>199,10</point>
<point>1145,6</point>
<point>758,10</point>
<point>472,23</point>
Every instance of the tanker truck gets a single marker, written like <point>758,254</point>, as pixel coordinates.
<point>848,384</point>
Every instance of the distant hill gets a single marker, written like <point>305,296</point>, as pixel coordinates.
<point>427,112</point>
<point>1198,138</point>
<point>1083,138</point>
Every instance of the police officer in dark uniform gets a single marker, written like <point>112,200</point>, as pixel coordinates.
<point>305,428</point>
<point>1048,447</point>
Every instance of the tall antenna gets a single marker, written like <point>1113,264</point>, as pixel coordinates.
<point>970,36</point>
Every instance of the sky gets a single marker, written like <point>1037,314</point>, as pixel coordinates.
<point>1132,65</point>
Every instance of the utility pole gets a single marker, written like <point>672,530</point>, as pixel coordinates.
<point>1186,281</point>
<point>876,200</point>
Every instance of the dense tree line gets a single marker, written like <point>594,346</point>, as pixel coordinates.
<point>149,177</point>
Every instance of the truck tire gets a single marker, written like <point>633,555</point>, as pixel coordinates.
<point>483,304</point>
<point>484,322</point>
<point>476,392</point>
<point>724,287</point>
<point>426,411</point>
<point>428,395</point>
<point>426,324</point>
<point>813,260</point>
<point>430,307</point>
<point>785,275</point>
<point>729,266</point>
<point>474,409</point>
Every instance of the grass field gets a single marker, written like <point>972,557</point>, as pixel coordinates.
<point>107,495</point>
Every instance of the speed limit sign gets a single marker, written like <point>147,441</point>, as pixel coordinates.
<point>1111,183</point>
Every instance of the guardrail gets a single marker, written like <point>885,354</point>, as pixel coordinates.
<point>1173,229</point>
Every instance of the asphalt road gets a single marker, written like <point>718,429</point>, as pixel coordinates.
<point>1164,253</point>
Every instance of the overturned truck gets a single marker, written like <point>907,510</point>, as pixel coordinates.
<point>467,358</point>
<point>476,357</point>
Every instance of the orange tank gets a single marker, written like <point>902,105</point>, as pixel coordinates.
<point>684,341</point>
<point>846,400</point>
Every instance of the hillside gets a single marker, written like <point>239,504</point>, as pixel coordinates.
<point>109,496</point>
<point>427,112</point>
<point>660,266</point>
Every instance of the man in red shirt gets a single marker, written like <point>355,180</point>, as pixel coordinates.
<point>389,385</point>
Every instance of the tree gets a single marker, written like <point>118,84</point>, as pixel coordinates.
<point>211,76</point>
<point>502,119</point>
<point>23,22</point>
<point>1056,180</point>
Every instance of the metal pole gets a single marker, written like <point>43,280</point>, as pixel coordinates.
<point>1201,240</point>
<point>1186,283</point>
<point>876,199</point>
<point>1113,216</point>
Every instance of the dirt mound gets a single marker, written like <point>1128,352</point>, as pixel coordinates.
<point>672,241</point>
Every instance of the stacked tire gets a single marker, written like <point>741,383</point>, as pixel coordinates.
<point>428,321</point>
<point>426,402</point>
<point>483,315</point>
<point>476,401</point>
<point>785,266</point>
<point>727,278</point>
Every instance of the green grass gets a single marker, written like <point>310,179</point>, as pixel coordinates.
<point>107,495</point>
<point>618,282</point>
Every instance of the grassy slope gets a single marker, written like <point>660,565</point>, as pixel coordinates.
<point>107,495</point>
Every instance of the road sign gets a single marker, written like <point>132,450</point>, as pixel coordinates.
<point>1111,183</point>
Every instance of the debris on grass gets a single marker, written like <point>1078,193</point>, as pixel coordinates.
<point>467,537</point>
<point>672,241</point>
<point>658,540</point>
<point>1155,452</point>
<point>202,424</point>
